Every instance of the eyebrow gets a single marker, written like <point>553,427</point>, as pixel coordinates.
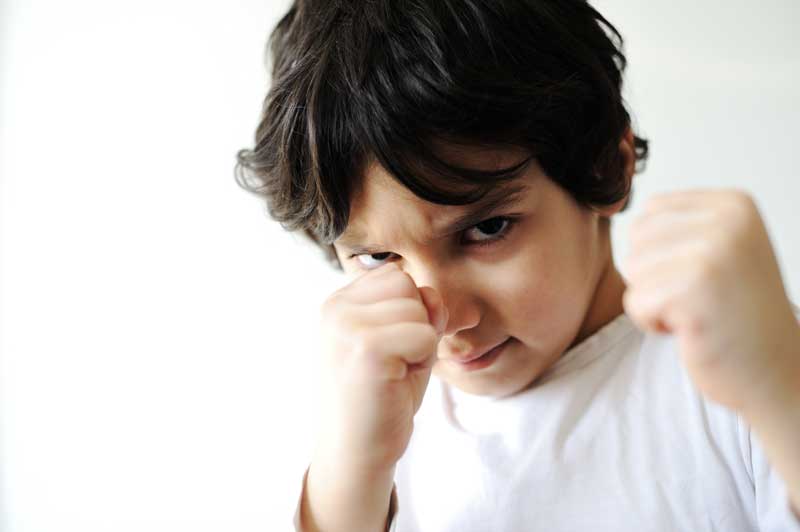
<point>496,200</point>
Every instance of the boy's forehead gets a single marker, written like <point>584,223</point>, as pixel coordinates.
<point>478,157</point>
<point>382,206</point>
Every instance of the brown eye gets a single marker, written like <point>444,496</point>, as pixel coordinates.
<point>489,230</point>
<point>492,226</point>
<point>372,257</point>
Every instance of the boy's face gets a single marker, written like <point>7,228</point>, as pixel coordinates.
<point>547,284</point>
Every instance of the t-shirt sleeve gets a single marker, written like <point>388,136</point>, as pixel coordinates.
<point>391,522</point>
<point>774,511</point>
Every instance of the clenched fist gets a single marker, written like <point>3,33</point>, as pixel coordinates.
<point>380,335</point>
<point>702,268</point>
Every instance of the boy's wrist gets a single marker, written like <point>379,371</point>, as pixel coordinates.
<point>338,498</point>
<point>779,398</point>
<point>355,464</point>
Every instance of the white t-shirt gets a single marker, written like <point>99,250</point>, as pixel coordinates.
<point>613,437</point>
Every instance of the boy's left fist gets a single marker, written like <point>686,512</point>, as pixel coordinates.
<point>701,267</point>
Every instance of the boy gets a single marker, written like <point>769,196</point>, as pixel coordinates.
<point>462,159</point>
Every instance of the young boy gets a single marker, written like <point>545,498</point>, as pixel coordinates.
<point>462,159</point>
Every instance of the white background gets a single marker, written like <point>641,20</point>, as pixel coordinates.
<point>159,332</point>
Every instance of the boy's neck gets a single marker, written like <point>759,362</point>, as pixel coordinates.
<point>606,303</point>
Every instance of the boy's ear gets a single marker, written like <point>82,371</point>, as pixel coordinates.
<point>627,151</point>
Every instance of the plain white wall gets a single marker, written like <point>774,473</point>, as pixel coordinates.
<point>159,332</point>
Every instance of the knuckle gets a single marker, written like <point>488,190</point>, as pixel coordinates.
<point>430,336</point>
<point>706,249</point>
<point>362,346</point>
<point>740,196</point>
<point>338,339</point>
<point>708,271</point>
<point>654,201</point>
<point>637,228</point>
<point>335,316</point>
<point>731,240</point>
<point>634,267</point>
<point>414,311</point>
<point>404,285</point>
<point>740,204</point>
<point>332,302</point>
<point>425,341</point>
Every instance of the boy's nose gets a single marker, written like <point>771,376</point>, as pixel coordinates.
<point>463,318</point>
<point>463,308</point>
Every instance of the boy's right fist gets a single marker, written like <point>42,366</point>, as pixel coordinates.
<point>380,335</point>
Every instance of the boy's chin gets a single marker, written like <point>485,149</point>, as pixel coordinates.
<point>492,386</point>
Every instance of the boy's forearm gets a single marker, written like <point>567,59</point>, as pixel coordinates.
<point>779,435</point>
<point>776,423</point>
<point>338,499</point>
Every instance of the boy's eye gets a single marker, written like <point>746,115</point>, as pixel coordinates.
<point>370,257</point>
<point>491,227</point>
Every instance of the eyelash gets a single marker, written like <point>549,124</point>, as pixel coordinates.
<point>497,237</point>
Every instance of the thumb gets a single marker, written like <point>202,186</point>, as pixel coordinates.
<point>437,312</point>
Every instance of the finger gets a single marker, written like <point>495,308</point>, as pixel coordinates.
<point>681,200</point>
<point>437,312</point>
<point>669,223</point>
<point>386,312</point>
<point>421,366</point>
<point>642,262</point>
<point>645,312</point>
<point>391,283</point>
<point>388,350</point>
<point>380,270</point>
<point>651,303</point>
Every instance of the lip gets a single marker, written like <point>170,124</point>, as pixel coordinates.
<point>483,360</point>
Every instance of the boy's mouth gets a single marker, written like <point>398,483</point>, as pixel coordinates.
<point>483,360</point>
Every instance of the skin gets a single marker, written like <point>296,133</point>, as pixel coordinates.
<point>701,268</point>
<point>550,283</point>
<point>547,285</point>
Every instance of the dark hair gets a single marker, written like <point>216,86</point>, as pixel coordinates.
<point>357,80</point>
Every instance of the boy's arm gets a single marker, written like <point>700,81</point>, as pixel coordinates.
<point>332,499</point>
<point>779,434</point>
<point>702,268</point>
<point>776,424</point>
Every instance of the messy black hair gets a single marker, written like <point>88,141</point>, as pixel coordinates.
<point>389,80</point>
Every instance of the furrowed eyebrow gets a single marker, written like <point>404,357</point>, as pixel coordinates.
<point>352,242</point>
<point>496,200</point>
<point>482,211</point>
<point>366,249</point>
